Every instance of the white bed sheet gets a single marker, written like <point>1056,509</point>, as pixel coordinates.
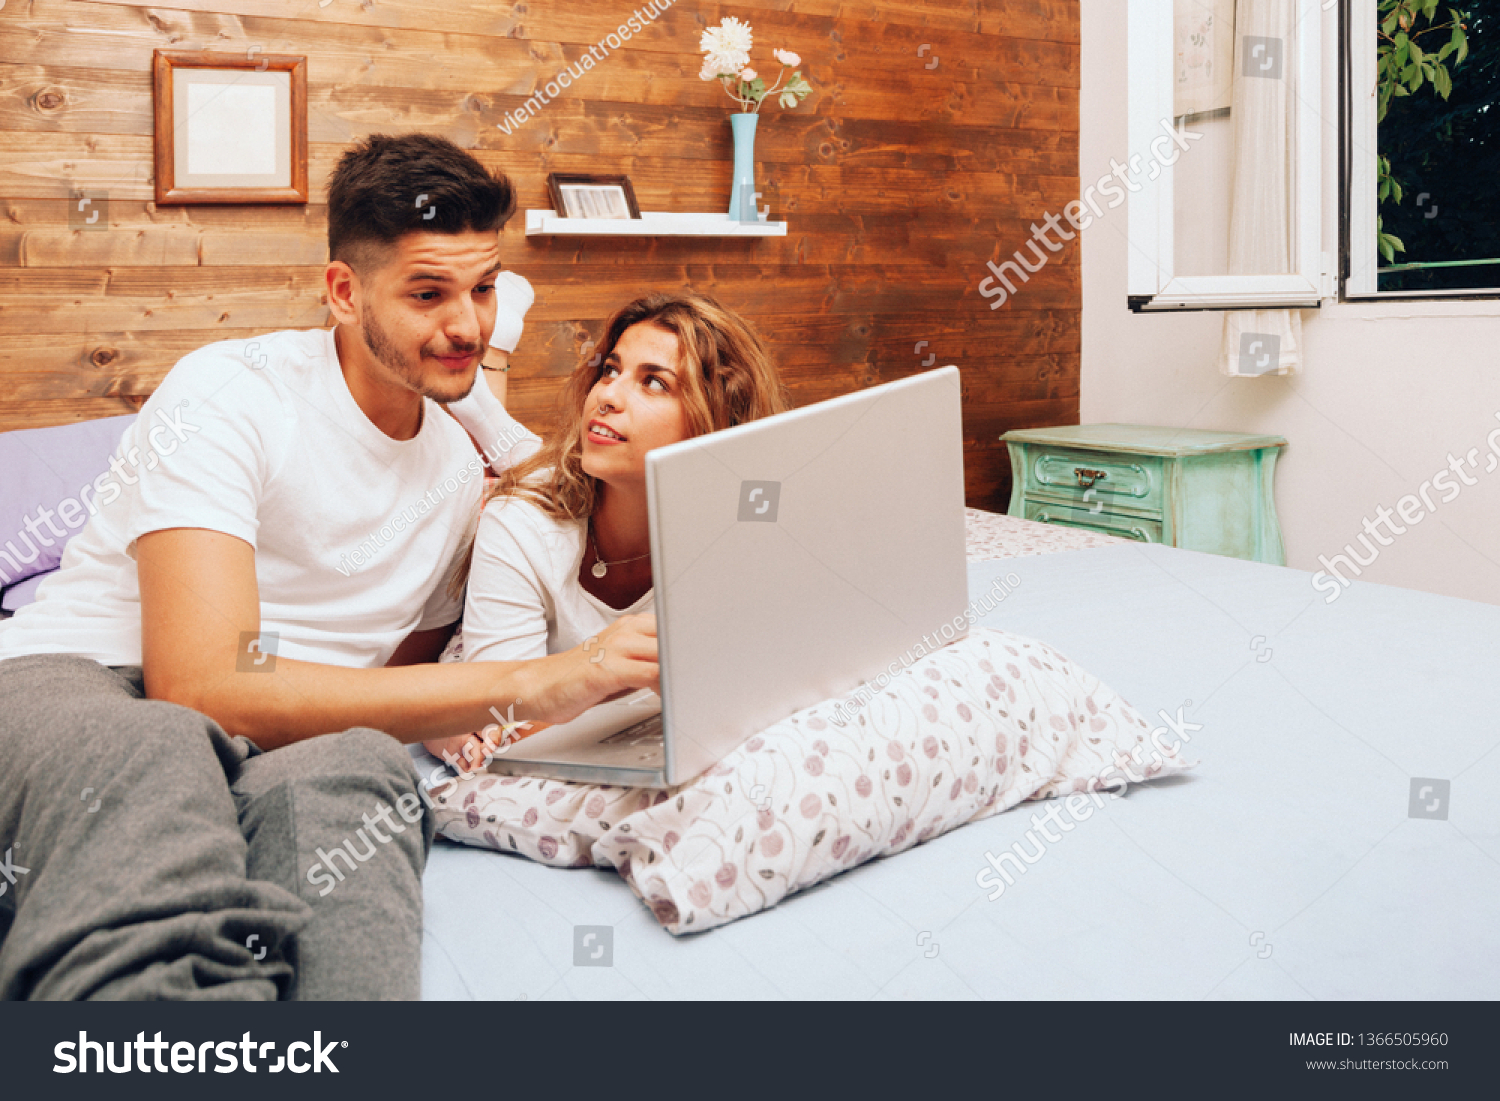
<point>1284,866</point>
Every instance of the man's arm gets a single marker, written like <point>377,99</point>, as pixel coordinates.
<point>199,598</point>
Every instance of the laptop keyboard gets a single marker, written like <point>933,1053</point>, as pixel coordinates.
<point>647,732</point>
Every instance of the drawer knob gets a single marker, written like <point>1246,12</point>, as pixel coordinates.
<point>1087,478</point>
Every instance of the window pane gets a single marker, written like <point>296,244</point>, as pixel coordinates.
<point>1235,96</point>
<point>1444,158</point>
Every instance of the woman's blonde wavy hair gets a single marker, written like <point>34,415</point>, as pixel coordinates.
<point>727,378</point>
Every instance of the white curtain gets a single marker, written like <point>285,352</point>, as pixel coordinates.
<point>1260,215</point>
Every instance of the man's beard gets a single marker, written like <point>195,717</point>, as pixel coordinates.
<point>410,373</point>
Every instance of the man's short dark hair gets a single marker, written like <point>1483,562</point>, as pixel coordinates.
<point>388,186</point>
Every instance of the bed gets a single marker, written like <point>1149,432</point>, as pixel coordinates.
<point>1337,838</point>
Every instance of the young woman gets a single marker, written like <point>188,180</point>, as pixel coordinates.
<point>562,549</point>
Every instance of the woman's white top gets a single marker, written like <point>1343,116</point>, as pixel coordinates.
<point>524,598</point>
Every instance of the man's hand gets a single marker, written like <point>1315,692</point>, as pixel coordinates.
<point>619,659</point>
<point>625,653</point>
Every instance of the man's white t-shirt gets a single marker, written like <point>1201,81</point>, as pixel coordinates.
<point>524,598</point>
<point>355,534</point>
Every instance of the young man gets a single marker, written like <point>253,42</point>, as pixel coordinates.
<point>208,699</point>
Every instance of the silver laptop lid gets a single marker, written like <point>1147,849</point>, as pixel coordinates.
<point>795,556</point>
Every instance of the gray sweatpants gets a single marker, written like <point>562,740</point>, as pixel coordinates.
<point>146,854</point>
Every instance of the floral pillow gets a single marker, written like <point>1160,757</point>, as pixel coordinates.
<point>967,731</point>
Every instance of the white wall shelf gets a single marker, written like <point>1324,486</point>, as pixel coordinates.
<point>651,223</point>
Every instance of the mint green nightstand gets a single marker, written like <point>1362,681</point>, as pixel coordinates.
<point>1185,487</point>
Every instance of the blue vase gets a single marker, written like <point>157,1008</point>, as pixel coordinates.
<point>743,125</point>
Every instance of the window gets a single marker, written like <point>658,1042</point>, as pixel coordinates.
<point>1420,182</point>
<point>1224,155</point>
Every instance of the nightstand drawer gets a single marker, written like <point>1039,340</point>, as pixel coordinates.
<point>1126,527</point>
<point>1066,475</point>
<point>1193,488</point>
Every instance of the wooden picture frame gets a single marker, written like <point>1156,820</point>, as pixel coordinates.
<point>230,128</point>
<point>586,195</point>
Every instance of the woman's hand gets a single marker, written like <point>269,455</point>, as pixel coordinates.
<point>464,753</point>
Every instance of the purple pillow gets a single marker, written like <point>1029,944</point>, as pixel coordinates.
<point>45,468</point>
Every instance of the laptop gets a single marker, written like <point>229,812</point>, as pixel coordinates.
<point>792,559</point>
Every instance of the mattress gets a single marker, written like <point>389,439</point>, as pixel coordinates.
<point>1338,839</point>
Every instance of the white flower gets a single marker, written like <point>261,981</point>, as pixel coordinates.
<point>727,45</point>
<point>710,70</point>
<point>786,57</point>
<point>747,74</point>
<point>726,64</point>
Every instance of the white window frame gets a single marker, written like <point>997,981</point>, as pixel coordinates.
<point>1362,280</point>
<point>1151,283</point>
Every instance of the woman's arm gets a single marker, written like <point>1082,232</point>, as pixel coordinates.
<point>506,607</point>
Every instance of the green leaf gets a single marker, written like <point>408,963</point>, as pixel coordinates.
<point>788,99</point>
<point>1443,82</point>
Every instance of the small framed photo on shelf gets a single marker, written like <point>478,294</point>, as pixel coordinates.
<point>230,128</point>
<point>579,195</point>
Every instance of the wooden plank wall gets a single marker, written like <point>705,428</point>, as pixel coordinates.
<point>899,181</point>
